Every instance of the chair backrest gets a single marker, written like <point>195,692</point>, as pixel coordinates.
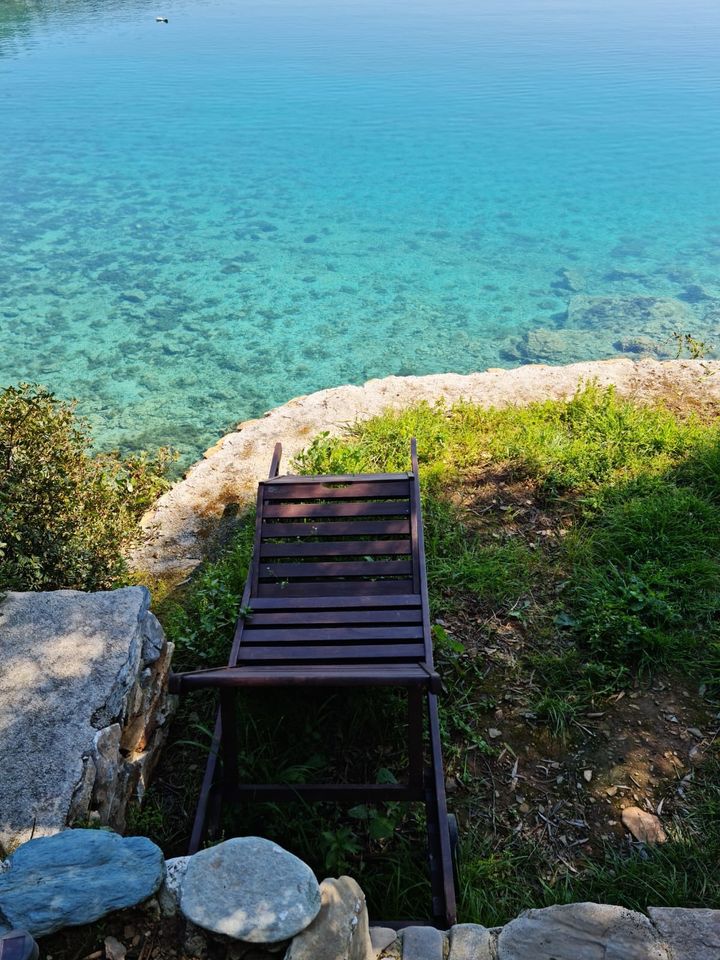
<point>337,536</point>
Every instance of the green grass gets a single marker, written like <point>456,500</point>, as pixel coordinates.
<point>632,586</point>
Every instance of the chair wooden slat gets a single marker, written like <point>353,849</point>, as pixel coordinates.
<point>361,602</point>
<point>335,634</point>
<point>337,528</point>
<point>336,548</point>
<point>375,652</point>
<point>303,618</point>
<point>339,508</point>
<point>333,568</point>
<point>331,588</point>
<point>322,490</point>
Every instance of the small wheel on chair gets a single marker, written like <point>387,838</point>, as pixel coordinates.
<point>454,847</point>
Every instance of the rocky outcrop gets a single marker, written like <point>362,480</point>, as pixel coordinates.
<point>74,878</point>
<point>179,528</point>
<point>83,707</point>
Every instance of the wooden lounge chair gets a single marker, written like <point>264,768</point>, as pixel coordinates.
<point>336,595</point>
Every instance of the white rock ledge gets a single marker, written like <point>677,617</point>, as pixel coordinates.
<point>179,527</point>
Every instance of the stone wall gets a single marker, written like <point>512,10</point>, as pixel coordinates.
<point>83,707</point>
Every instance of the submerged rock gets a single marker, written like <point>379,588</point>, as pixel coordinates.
<point>250,889</point>
<point>639,315</point>
<point>76,877</point>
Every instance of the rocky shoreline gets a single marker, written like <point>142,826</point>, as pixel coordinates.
<point>184,524</point>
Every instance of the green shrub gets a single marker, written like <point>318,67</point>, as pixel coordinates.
<point>65,513</point>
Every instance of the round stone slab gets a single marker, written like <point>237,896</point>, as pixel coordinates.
<point>75,877</point>
<point>250,889</point>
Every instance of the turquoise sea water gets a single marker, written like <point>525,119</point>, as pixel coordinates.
<point>202,219</point>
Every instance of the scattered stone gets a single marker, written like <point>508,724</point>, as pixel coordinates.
<point>250,889</point>
<point>691,934</point>
<point>341,930</point>
<point>470,941</point>
<point>381,938</point>
<point>588,775</point>
<point>169,892</point>
<point>76,877</point>
<point>93,667</point>
<point>494,733</point>
<point>644,826</point>
<point>422,943</point>
<point>695,732</point>
<point>581,931</point>
<point>114,950</point>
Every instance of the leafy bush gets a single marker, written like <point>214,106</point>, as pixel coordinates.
<point>65,513</point>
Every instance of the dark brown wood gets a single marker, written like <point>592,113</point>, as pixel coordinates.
<point>345,588</point>
<point>335,634</point>
<point>308,618</point>
<point>339,508</point>
<point>336,548</point>
<point>336,568</point>
<point>342,477</point>
<point>290,652</point>
<point>318,611</point>
<point>329,602</point>
<point>275,462</point>
<point>303,489</point>
<point>336,528</point>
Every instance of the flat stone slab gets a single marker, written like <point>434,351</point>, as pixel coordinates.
<point>79,684</point>
<point>691,934</point>
<point>423,943</point>
<point>470,941</point>
<point>76,877</point>
<point>581,931</point>
<point>250,889</point>
<point>341,930</point>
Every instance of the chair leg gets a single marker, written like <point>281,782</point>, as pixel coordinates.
<point>415,737</point>
<point>439,847</point>
<point>230,771</point>
<point>198,830</point>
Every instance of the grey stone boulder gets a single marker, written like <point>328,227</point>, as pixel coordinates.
<point>691,934</point>
<point>83,707</point>
<point>470,941</point>
<point>423,943</point>
<point>581,931</point>
<point>341,930</point>
<point>249,889</point>
<point>76,877</point>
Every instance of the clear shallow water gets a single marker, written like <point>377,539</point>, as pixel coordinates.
<point>202,219</point>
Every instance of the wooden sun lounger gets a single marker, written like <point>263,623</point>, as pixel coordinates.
<point>337,595</point>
